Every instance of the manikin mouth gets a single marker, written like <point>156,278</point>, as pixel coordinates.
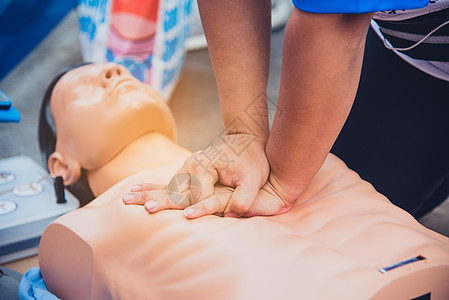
<point>125,84</point>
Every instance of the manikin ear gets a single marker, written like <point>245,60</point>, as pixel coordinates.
<point>69,169</point>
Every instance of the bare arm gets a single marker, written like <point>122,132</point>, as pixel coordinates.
<point>238,33</point>
<point>322,58</point>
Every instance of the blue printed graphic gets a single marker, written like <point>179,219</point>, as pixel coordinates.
<point>188,8</point>
<point>169,75</point>
<point>98,5</point>
<point>88,26</point>
<point>173,23</point>
<point>134,65</point>
<point>93,14</point>
<point>170,19</point>
<point>170,48</point>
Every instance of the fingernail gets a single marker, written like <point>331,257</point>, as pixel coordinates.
<point>151,204</point>
<point>135,188</point>
<point>188,212</point>
<point>128,197</point>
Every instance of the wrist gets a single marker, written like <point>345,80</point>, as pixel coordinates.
<point>287,191</point>
<point>247,117</point>
<point>245,138</point>
<point>260,136</point>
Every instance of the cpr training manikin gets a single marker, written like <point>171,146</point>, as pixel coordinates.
<point>341,240</point>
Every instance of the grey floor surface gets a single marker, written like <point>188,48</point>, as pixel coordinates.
<point>194,103</point>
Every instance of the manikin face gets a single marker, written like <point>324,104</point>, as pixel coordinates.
<point>98,110</point>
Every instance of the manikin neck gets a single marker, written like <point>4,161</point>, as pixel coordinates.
<point>149,151</point>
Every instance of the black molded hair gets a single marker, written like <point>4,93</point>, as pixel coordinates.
<point>47,138</point>
<point>47,130</point>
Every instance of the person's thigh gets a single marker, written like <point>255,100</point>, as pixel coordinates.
<point>397,134</point>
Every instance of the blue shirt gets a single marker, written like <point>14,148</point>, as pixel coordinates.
<point>356,6</point>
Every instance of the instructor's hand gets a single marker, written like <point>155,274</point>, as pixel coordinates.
<point>237,162</point>
<point>267,203</point>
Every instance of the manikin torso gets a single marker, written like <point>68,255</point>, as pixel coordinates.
<point>331,245</point>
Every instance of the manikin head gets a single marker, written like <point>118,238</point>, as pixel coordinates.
<point>92,112</point>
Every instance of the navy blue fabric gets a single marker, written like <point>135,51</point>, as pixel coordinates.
<point>356,6</point>
<point>32,287</point>
<point>397,134</point>
<point>23,24</point>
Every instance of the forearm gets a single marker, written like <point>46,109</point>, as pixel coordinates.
<point>238,34</point>
<point>322,58</point>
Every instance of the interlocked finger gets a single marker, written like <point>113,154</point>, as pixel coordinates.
<point>215,204</point>
<point>242,199</point>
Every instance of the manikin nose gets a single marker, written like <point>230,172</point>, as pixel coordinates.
<point>111,72</point>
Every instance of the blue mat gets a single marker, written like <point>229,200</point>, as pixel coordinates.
<point>32,287</point>
<point>23,24</point>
